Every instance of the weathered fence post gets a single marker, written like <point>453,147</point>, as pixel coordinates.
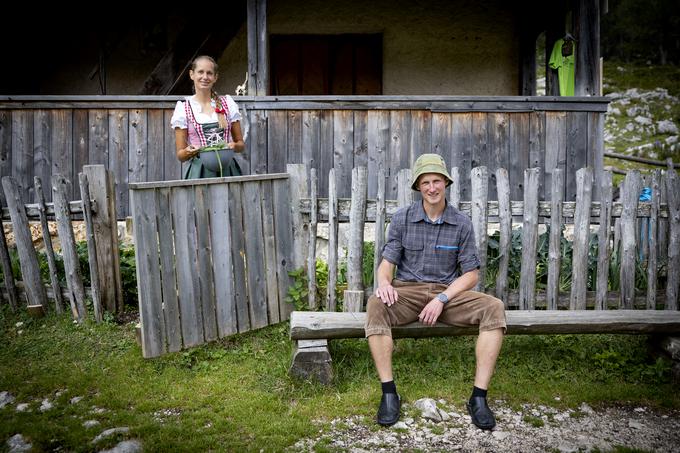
<point>49,250</point>
<point>653,235</point>
<point>103,192</point>
<point>604,247</point>
<point>298,190</point>
<point>673,284</point>
<point>91,246</point>
<point>332,241</point>
<point>479,208</point>
<point>354,295</point>
<point>379,225</point>
<point>28,259</point>
<point>505,219</point>
<point>74,280</point>
<point>579,282</point>
<point>629,197</point>
<point>7,271</point>
<point>311,254</point>
<point>404,192</point>
<point>554,248</point>
<point>527,283</point>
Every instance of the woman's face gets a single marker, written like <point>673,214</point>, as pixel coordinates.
<point>203,75</point>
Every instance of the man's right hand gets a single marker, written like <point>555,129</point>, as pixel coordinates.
<point>387,294</point>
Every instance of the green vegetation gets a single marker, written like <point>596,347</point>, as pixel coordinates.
<point>235,394</point>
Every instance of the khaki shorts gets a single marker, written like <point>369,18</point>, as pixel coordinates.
<point>467,309</point>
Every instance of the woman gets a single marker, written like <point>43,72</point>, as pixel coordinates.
<point>205,119</point>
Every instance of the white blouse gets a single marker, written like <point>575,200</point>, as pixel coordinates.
<point>179,117</point>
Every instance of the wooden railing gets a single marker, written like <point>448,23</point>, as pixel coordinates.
<point>615,222</point>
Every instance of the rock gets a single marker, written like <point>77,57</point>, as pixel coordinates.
<point>76,399</point>
<point>635,424</point>
<point>110,432</point>
<point>428,409</point>
<point>400,425</point>
<point>46,405</point>
<point>17,444</point>
<point>126,446</point>
<point>90,423</point>
<point>643,120</point>
<point>566,448</point>
<point>500,435</point>
<point>666,127</point>
<point>586,409</point>
<point>5,399</point>
<point>22,407</point>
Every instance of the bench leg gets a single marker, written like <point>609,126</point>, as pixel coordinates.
<point>312,361</point>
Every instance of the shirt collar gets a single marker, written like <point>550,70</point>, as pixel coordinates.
<point>417,214</point>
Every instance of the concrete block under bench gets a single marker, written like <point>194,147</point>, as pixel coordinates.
<point>313,361</point>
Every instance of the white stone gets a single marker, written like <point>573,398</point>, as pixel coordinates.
<point>46,405</point>
<point>635,424</point>
<point>586,409</point>
<point>22,407</point>
<point>428,409</point>
<point>400,425</point>
<point>17,444</point>
<point>19,324</point>
<point>500,435</point>
<point>90,423</point>
<point>110,432</point>
<point>76,399</point>
<point>643,120</point>
<point>126,446</point>
<point>667,127</point>
<point>6,398</point>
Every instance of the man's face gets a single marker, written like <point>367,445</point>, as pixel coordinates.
<point>432,187</point>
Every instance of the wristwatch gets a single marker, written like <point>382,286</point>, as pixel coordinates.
<point>441,297</point>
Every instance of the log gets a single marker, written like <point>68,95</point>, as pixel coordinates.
<point>321,325</point>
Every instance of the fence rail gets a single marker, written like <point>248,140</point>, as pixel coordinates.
<point>97,209</point>
<point>645,234</point>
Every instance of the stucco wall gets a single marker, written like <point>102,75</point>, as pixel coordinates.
<point>436,47</point>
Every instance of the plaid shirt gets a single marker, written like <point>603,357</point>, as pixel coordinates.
<point>424,251</point>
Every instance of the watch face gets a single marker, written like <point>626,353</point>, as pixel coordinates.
<point>442,297</point>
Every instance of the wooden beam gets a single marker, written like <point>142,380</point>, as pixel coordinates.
<point>258,53</point>
<point>587,28</point>
<point>323,325</point>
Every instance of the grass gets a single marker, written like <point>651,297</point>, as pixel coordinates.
<point>235,394</point>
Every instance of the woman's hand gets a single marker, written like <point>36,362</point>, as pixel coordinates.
<point>190,152</point>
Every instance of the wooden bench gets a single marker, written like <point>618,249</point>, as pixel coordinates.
<point>312,330</point>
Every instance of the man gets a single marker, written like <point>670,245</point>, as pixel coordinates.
<point>432,245</point>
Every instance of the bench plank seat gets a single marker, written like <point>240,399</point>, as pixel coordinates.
<point>306,325</point>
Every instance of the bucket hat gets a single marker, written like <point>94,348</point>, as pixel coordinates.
<point>429,163</point>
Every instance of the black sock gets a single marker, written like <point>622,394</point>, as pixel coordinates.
<point>389,387</point>
<point>476,391</point>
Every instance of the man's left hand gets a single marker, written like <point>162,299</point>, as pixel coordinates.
<point>431,312</point>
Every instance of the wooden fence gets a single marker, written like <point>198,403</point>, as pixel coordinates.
<point>212,258</point>
<point>618,232</point>
<point>41,135</point>
<point>97,209</point>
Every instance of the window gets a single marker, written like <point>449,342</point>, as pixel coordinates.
<point>326,64</point>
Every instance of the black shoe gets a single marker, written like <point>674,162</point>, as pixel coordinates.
<point>480,413</point>
<point>388,412</point>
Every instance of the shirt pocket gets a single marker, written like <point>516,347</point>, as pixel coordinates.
<point>413,254</point>
<point>446,258</point>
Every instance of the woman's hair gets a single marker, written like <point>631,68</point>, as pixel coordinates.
<point>221,118</point>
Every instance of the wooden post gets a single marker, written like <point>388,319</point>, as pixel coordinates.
<point>28,259</point>
<point>258,71</point>
<point>312,361</point>
<point>74,280</point>
<point>604,247</point>
<point>653,232</point>
<point>587,21</point>
<point>554,248</point>
<point>298,190</point>
<point>91,246</point>
<point>673,283</point>
<point>311,256</point>
<point>103,192</point>
<point>454,188</point>
<point>7,271</point>
<point>404,191</point>
<point>354,296</point>
<point>479,209</point>
<point>584,184</point>
<point>527,284</point>
<point>332,241</point>
<point>49,250</point>
<point>629,197</point>
<point>379,225</point>
<point>505,218</point>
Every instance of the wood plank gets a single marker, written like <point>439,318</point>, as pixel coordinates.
<point>74,280</point>
<point>378,138</point>
<point>325,150</point>
<point>519,149</point>
<point>172,165</point>
<point>294,145</point>
<point>171,312</point>
<point>138,146</point>
<point>537,150</point>
<point>673,283</point>
<point>505,241</point>
<point>320,325</point>
<point>629,197</point>
<point>461,150</point>
<point>118,156</point>
<point>498,149</point>
<point>98,138</point>
<point>310,140</point>
<point>258,141</point>
<point>227,323</point>
<point>312,303</point>
<point>397,156</point>
<point>480,143</point>
<point>182,202</point>
<point>144,212</point>
<point>421,134</point>
<point>405,195</point>
<point>28,258</point>
<point>555,244</point>
<point>360,139</point>
<point>102,190</point>
<point>652,236</point>
<point>206,292</point>
<point>269,247</point>
<point>277,141</point>
<point>555,145</point>
<point>298,190</point>
<point>480,195</point>
<point>527,284</point>
<point>343,150</point>
<point>604,243</point>
<point>577,149</point>
<point>255,271</point>
<point>238,254</point>
<point>442,136</point>
<point>332,242</point>
<point>454,188</point>
<point>579,263</point>
<point>595,158</point>
<point>61,146</point>
<point>91,247</point>
<point>155,143</point>
<point>284,243</point>
<point>42,141</point>
<point>81,140</point>
<point>22,153</point>
<point>357,220</point>
<point>8,277</point>
<point>5,148</point>
<point>379,226</point>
